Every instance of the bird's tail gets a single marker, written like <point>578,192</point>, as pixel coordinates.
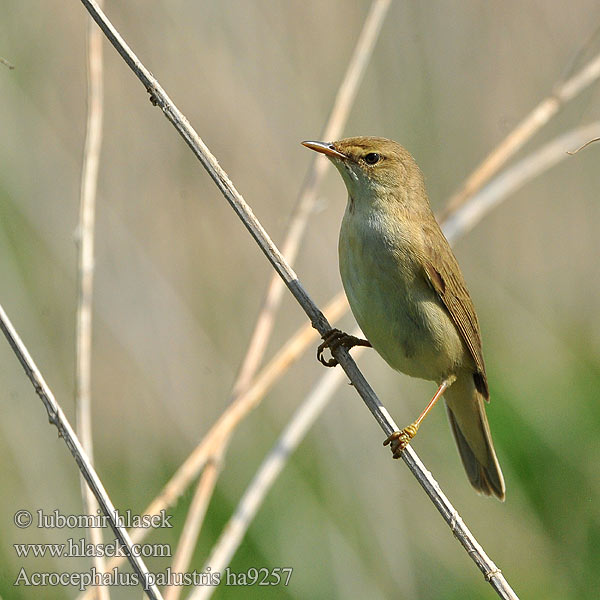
<point>466,412</point>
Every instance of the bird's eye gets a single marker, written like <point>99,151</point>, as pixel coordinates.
<point>372,158</point>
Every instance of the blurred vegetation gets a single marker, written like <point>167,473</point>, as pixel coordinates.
<point>179,283</point>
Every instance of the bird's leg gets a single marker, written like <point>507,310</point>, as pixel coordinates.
<point>335,338</point>
<point>400,439</point>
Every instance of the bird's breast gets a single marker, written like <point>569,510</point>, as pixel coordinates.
<point>392,302</point>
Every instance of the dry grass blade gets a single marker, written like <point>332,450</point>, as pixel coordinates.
<point>541,114</point>
<point>573,152</point>
<point>85,239</point>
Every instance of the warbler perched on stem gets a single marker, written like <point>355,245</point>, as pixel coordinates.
<point>409,297</point>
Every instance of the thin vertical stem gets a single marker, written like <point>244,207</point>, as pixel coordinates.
<point>85,238</point>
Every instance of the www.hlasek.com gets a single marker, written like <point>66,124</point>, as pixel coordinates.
<point>80,548</point>
<point>253,576</point>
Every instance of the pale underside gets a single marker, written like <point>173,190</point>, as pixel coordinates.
<point>393,302</point>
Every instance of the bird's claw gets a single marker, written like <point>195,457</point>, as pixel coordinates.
<point>398,440</point>
<point>332,339</point>
<point>335,338</point>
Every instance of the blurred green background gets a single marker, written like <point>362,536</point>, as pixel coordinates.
<point>179,283</point>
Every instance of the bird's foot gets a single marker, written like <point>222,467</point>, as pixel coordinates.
<point>398,440</point>
<point>335,338</point>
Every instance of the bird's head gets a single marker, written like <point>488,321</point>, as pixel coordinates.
<point>374,168</point>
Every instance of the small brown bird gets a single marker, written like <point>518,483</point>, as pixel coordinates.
<point>409,297</point>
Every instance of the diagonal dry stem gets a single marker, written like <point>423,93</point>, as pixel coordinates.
<point>57,417</point>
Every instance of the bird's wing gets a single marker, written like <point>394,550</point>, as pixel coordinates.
<point>446,279</point>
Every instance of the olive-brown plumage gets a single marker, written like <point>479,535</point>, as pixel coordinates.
<point>407,292</point>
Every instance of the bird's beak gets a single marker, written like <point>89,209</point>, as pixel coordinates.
<point>324,148</point>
